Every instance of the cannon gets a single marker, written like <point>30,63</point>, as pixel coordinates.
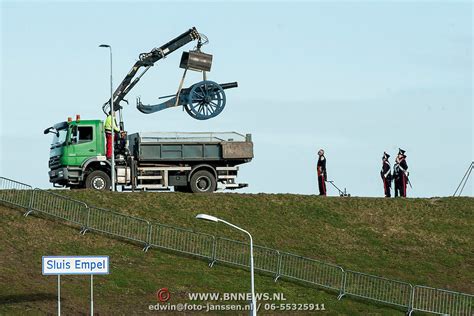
<point>203,100</point>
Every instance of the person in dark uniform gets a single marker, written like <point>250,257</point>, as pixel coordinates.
<point>386,175</point>
<point>400,174</point>
<point>322,175</point>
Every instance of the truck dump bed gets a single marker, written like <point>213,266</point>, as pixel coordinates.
<point>191,147</point>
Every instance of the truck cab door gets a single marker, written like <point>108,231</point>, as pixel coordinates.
<point>83,144</point>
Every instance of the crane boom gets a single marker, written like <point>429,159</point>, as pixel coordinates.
<point>147,60</point>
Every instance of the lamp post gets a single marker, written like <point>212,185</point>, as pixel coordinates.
<point>252,283</point>
<point>112,113</point>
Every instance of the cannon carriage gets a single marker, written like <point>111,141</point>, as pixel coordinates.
<point>203,100</point>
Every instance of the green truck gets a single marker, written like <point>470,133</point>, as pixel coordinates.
<point>189,162</point>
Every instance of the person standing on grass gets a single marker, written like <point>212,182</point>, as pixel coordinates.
<point>386,175</point>
<point>400,172</point>
<point>322,175</point>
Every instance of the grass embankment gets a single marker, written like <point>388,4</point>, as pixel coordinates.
<point>422,241</point>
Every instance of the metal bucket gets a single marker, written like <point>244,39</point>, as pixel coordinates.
<point>196,61</point>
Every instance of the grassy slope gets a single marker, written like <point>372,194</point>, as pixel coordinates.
<point>424,241</point>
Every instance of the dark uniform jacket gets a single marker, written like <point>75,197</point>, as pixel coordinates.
<point>322,167</point>
<point>404,166</point>
<point>385,172</point>
<point>400,168</point>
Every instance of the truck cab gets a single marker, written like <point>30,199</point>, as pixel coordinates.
<point>77,148</point>
<point>189,162</point>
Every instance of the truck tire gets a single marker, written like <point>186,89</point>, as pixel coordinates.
<point>98,180</point>
<point>203,182</point>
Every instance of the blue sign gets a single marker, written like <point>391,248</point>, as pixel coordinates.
<point>58,265</point>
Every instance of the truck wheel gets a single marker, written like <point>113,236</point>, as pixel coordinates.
<point>203,182</point>
<point>98,180</point>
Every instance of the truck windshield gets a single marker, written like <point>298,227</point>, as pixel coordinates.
<point>59,139</point>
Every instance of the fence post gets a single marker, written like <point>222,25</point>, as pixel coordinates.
<point>30,203</point>
<point>342,291</point>
<point>278,271</point>
<point>148,237</point>
<point>214,249</point>
<point>412,300</point>
<point>85,228</point>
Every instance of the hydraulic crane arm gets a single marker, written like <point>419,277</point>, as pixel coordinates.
<point>147,60</point>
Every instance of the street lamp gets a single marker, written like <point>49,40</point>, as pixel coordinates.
<point>252,283</point>
<point>112,113</point>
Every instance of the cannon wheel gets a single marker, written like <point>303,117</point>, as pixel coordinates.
<point>206,100</point>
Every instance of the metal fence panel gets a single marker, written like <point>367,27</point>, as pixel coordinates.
<point>428,299</point>
<point>15,193</point>
<point>182,240</point>
<point>377,288</point>
<point>312,271</point>
<point>266,259</point>
<point>238,253</point>
<point>233,252</point>
<point>59,206</point>
<point>117,224</point>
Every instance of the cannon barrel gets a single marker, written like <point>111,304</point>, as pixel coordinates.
<point>229,85</point>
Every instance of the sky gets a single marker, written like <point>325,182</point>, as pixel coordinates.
<point>354,78</point>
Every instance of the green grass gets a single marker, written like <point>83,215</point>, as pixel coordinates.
<point>422,241</point>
